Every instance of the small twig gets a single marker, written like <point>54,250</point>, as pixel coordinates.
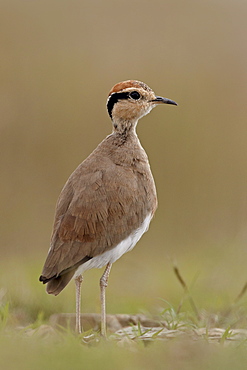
<point>180,279</point>
<point>185,287</point>
<point>243,291</point>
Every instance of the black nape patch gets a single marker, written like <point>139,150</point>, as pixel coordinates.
<point>114,99</point>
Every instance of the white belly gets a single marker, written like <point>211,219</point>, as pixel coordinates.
<point>114,254</point>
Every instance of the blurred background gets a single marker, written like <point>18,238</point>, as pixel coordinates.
<point>59,59</point>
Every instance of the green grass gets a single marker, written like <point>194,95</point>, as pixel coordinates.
<point>63,351</point>
<point>28,342</point>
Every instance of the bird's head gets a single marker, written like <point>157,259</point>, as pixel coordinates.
<point>130,100</point>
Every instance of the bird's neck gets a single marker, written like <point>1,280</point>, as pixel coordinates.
<point>124,127</point>
<point>123,147</point>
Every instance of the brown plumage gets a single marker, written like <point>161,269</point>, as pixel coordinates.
<point>109,200</point>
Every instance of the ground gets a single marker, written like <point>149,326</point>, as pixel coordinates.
<point>184,336</point>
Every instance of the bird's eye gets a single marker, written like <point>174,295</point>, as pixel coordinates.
<point>135,95</point>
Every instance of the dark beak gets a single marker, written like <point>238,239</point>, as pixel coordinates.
<point>160,100</point>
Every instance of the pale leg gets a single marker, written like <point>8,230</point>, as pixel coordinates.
<point>78,281</point>
<point>103,285</point>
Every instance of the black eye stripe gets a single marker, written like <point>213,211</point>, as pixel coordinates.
<point>114,99</point>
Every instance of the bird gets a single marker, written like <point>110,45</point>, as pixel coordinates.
<point>107,203</point>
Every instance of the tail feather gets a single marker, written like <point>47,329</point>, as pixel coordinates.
<point>56,284</point>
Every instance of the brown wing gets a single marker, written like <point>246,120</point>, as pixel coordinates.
<point>97,208</point>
